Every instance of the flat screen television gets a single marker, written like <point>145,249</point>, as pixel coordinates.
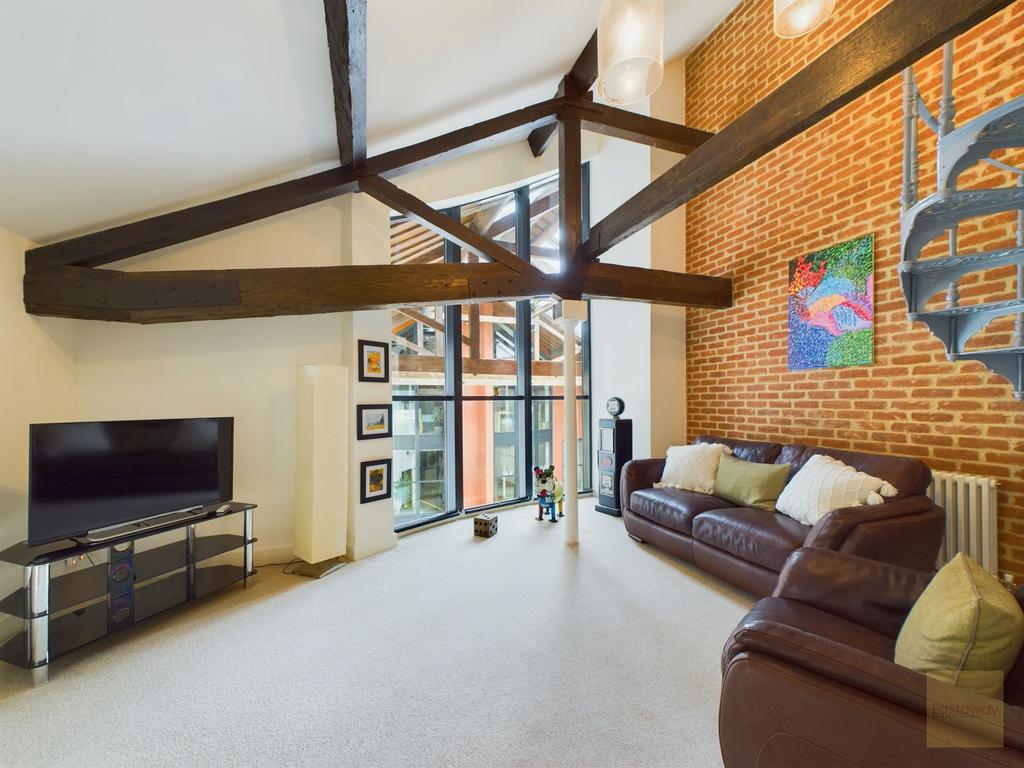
<point>90,475</point>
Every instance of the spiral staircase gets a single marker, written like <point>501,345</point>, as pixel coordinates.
<point>960,148</point>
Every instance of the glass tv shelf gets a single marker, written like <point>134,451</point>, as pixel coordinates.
<point>112,585</point>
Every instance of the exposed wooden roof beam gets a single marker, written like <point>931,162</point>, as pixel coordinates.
<point>346,44</point>
<point>570,192</point>
<point>895,37</point>
<point>178,296</point>
<point>110,245</point>
<point>166,297</point>
<point>447,227</point>
<point>622,124</point>
<point>655,286</point>
<point>577,82</point>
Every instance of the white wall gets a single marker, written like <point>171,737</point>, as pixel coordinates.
<point>621,337</point>
<point>37,383</point>
<point>668,251</point>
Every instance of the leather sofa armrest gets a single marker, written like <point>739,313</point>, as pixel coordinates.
<point>833,528</point>
<point>638,474</point>
<point>876,595</point>
<point>862,671</point>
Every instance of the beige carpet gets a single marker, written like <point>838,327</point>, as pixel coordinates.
<point>447,651</point>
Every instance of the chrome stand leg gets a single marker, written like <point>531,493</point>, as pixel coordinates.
<point>190,559</point>
<point>37,651</point>
<point>40,675</point>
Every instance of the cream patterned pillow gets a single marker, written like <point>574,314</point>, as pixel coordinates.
<point>824,484</point>
<point>692,467</point>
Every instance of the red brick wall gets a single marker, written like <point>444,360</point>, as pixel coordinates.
<point>837,181</point>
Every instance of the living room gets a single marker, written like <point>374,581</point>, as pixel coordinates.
<point>338,248</point>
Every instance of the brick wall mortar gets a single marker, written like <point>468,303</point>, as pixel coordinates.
<point>839,180</point>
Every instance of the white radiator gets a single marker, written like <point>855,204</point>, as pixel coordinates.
<point>970,504</point>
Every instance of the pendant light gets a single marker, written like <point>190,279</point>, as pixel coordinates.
<point>798,17</point>
<point>630,43</point>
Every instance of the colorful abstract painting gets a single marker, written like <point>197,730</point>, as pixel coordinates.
<point>831,306</point>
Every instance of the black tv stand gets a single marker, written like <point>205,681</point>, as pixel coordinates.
<point>111,584</point>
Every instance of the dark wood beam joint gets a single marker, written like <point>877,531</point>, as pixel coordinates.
<point>576,83</point>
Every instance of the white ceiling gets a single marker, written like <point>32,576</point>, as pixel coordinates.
<point>111,110</point>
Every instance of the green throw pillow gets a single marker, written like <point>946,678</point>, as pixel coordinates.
<point>749,484</point>
<point>965,629</point>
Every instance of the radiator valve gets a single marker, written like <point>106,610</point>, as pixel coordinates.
<point>1008,581</point>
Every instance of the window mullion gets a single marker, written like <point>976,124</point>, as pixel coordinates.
<point>524,351</point>
<point>453,385</point>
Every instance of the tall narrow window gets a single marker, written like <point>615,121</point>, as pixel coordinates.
<point>478,388</point>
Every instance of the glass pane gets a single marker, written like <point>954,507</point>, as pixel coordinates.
<point>417,351</point>
<point>412,243</point>
<point>548,342</point>
<point>494,217</point>
<point>417,333</point>
<point>490,452</point>
<point>489,348</point>
<point>548,438</point>
<point>418,461</point>
<point>544,233</point>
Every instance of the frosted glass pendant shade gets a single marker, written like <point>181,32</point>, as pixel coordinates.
<point>630,42</point>
<point>798,17</point>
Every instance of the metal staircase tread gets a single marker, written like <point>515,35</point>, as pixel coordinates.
<point>999,128</point>
<point>984,260</point>
<point>997,307</point>
<point>938,212</point>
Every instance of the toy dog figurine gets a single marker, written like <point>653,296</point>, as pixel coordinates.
<point>548,492</point>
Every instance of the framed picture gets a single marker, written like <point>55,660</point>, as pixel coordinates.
<point>374,421</point>
<point>375,480</point>
<point>831,307</point>
<point>374,361</point>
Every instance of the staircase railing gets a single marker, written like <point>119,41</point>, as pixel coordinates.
<point>923,219</point>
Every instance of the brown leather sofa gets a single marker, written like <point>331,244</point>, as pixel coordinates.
<point>748,546</point>
<point>808,677</point>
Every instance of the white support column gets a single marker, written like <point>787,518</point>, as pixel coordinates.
<point>570,313</point>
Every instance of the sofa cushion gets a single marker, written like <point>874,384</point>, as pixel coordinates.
<point>824,484</point>
<point>673,508</point>
<point>965,629</point>
<point>748,450</point>
<point>754,535</point>
<point>910,476</point>
<point>749,483</point>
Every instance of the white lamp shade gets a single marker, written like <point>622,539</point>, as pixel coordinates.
<point>798,17</point>
<point>630,49</point>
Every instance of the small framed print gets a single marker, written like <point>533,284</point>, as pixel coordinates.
<point>374,421</point>
<point>375,480</point>
<point>374,361</point>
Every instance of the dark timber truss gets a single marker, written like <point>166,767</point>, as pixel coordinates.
<point>65,279</point>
